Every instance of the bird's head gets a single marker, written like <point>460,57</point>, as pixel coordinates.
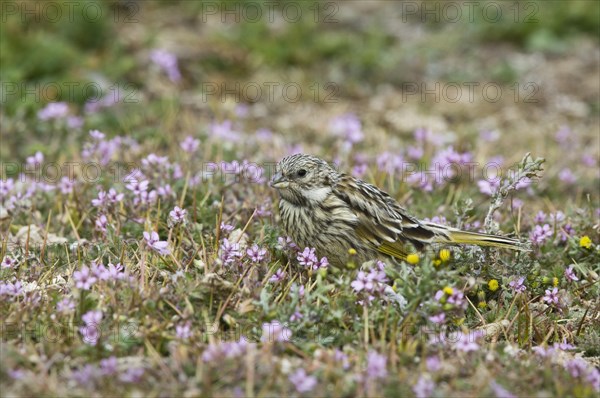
<point>303,180</point>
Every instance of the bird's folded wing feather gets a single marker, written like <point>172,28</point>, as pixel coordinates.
<point>382,222</point>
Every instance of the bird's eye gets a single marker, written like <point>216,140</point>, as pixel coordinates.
<point>301,173</point>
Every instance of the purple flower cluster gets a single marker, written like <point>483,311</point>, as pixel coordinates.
<point>570,274</point>
<point>94,105</point>
<point>257,254</point>
<point>499,391</point>
<point>167,61</point>
<point>348,128</point>
<point>579,368</point>
<point>423,135</point>
<point>6,186</point>
<point>84,278</point>
<point>8,262</point>
<point>264,209</point>
<point>153,161</point>
<point>438,319</point>
<point>566,231</point>
<point>190,144</point>
<point>153,242</point>
<point>91,330</point>
<point>244,171</point>
<point>113,272</point>
<point>456,298</point>
<point>437,220</point>
<point>224,131</point>
<point>549,352</point>
<point>35,160</point>
<point>551,297</point>
<point>467,342</point>
<point>517,285</point>
<point>287,244</point>
<point>540,217</point>
<point>177,216</point>
<point>17,196</point>
<point>299,289</point>
<point>11,289</point>
<point>296,316</point>
<point>359,170</point>
<point>108,366</point>
<point>421,180</point>
<point>372,283</point>
<point>488,187</point>
<point>278,276</point>
<point>105,199</point>
<point>230,252</point>
<point>424,387</point>
<point>447,161</point>
<point>489,135</point>
<point>183,330</point>
<point>101,223</point>
<point>567,176</point>
<point>563,135</point>
<point>88,373</point>
<point>65,305</point>
<point>275,331</point>
<point>226,228</point>
<point>102,150</point>
<point>415,152</point>
<point>376,366</point>
<point>302,382</point>
<point>59,111</point>
<point>54,110</point>
<point>138,185</point>
<point>433,363</point>
<point>132,375</point>
<point>308,259</point>
<point>390,163</point>
<point>231,349</point>
<point>540,234</point>
<point>164,191</point>
<point>160,172</point>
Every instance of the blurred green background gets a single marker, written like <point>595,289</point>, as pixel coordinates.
<point>42,43</point>
<point>364,47</point>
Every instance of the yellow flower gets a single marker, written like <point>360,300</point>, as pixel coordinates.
<point>352,252</point>
<point>482,304</point>
<point>436,262</point>
<point>585,241</point>
<point>448,290</point>
<point>412,258</point>
<point>555,281</point>
<point>445,255</point>
<point>493,285</point>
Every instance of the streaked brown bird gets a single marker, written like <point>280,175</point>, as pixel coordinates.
<point>335,213</point>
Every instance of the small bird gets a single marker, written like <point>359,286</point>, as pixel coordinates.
<point>346,219</point>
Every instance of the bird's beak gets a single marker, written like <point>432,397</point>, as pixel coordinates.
<point>279,181</point>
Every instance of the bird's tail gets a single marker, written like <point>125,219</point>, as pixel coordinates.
<point>450,235</point>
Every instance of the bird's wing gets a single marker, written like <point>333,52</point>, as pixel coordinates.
<point>382,222</point>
